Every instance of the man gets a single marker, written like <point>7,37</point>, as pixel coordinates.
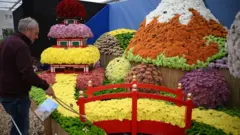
<point>17,75</point>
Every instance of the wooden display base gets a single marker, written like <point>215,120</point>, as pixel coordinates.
<point>51,127</point>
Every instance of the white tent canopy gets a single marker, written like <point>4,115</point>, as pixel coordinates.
<point>99,1</point>
<point>10,5</point>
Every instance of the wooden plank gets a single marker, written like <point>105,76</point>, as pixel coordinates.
<point>234,84</point>
<point>47,126</point>
<point>56,129</point>
<point>171,77</point>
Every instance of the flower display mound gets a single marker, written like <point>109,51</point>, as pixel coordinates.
<point>64,89</point>
<point>70,9</point>
<point>178,34</point>
<point>145,73</point>
<point>208,87</point>
<point>96,76</point>
<point>49,77</point>
<point>108,45</point>
<point>114,42</point>
<point>87,55</point>
<point>70,31</point>
<point>220,120</point>
<point>117,69</point>
<point>219,63</point>
<point>121,31</point>
<point>198,128</point>
<point>233,45</point>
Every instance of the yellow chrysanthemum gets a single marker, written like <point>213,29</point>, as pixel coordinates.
<point>64,89</point>
<point>121,109</point>
<point>120,31</point>
<point>218,120</point>
<point>87,55</point>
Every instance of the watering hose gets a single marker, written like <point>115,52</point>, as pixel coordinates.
<point>69,108</point>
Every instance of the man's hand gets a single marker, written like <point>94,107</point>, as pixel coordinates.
<point>50,92</point>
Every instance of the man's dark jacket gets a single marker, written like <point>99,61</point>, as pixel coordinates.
<point>16,71</point>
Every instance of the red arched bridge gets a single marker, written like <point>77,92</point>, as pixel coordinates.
<point>133,126</point>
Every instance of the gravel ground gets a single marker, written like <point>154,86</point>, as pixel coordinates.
<point>36,127</point>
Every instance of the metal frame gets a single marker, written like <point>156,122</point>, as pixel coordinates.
<point>15,4</point>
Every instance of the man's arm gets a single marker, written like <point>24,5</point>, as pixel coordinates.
<point>24,65</point>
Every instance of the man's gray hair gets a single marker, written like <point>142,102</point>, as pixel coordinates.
<point>27,23</point>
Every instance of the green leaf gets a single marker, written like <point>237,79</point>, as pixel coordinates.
<point>124,39</point>
<point>179,62</point>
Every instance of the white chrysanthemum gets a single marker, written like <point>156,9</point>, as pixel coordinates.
<point>167,9</point>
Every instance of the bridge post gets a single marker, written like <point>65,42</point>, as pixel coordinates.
<point>188,115</point>
<point>134,109</point>
<point>81,104</point>
<point>89,90</point>
<point>134,80</point>
<point>180,94</point>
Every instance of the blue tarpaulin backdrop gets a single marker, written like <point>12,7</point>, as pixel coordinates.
<point>129,14</point>
<point>99,24</point>
<point>224,10</point>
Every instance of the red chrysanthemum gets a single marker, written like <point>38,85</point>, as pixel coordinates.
<point>70,9</point>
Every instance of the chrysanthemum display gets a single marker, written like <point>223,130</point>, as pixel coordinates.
<point>117,69</point>
<point>96,76</point>
<point>114,42</point>
<point>120,31</point>
<point>70,9</point>
<point>70,31</point>
<point>71,52</point>
<point>145,73</point>
<point>219,63</point>
<point>87,55</point>
<point>49,77</point>
<point>208,86</point>
<point>175,35</point>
